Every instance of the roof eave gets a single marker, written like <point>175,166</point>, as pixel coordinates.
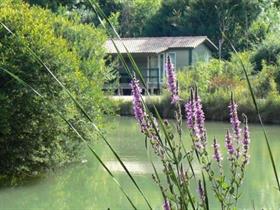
<point>210,44</point>
<point>132,53</point>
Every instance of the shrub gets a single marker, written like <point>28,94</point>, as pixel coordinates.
<point>270,110</point>
<point>214,81</point>
<point>268,52</point>
<point>32,137</point>
<point>215,107</point>
<point>265,82</point>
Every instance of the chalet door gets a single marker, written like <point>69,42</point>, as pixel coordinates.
<point>153,68</point>
<point>161,66</point>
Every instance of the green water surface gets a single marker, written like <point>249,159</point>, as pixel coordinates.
<point>86,186</point>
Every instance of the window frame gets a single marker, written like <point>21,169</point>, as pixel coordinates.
<point>175,58</point>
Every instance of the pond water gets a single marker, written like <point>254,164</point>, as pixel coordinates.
<point>87,186</point>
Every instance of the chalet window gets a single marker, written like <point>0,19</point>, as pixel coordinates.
<point>172,56</point>
<point>153,62</point>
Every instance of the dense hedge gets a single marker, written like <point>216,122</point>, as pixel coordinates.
<point>216,108</point>
<point>32,137</point>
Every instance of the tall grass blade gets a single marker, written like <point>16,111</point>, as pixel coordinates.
<point>113,177</point>
<point>80,107</point>
<point>74,129</point>
<point>100,14</point>
<point>155,171</point>
<point>205,192</point>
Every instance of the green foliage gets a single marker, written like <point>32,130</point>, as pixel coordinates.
<point>181,17</point>
<point>32,137</point>
<point>80,8</point>
<point>263,36</point>
<point>265,82</point>
<point>215,76</point>
<point>266,23</point>
<point>135,15</point>
<point>268,52</point>
<point>271,109</point>
<point>52,4</point>
<point>215,107</point>
<point>245,23</point>
<point>169,20</point>
<point>130,17</point>
<point>216,80</point>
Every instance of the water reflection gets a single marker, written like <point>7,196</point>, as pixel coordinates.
<point>87,186</point>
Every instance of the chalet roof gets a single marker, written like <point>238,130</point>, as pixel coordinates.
<point>157,44</point>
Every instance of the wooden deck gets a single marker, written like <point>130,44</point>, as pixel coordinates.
<point>151,77</point>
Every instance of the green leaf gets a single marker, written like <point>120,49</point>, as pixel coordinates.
<point>231,191</point>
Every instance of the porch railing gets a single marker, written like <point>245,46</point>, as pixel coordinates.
<point>151,77</point>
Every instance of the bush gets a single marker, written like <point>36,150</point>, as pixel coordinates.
<point>215,82</point>
<point>215,76</point>
<point>270,110</point>
<point>32,137</point>
<point>268,53</point>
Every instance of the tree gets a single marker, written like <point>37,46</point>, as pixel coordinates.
<point>52,4</point>
<point>169,19</point>
<point>265,42</point>
<point>134,16</point>
<point>82,8</point>
<point>213,18</point>
<point>268,51</point>
<point>33,138</point>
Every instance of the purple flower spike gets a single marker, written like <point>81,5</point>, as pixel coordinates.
<point>189,110</point>
<point>217,154</point>
<point>166,205</point>
<point>196,120</point>
<point>234,119</point>
<point>229,144</point>
<point>149,126</point>
<point>137,104</point>
<point>246,142</point>
<point>199,115</point>
<point>201,192</point>
<point>171,81</point>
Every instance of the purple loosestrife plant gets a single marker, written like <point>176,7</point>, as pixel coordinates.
<point>178,161</point>
<point>166,205</point>
<point>138,108</point>
<point>229,145</point>
<point>235,123</point>
<point>234,119</point>
<point>141,116</point>
<point>217,153</point>
<point>201,192</point>
<point>189,114</point>
<point>246,142</point>
<point>171,81</point>
<point>199,115</point>
<point>195,120</point>
<point>148,124</point>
